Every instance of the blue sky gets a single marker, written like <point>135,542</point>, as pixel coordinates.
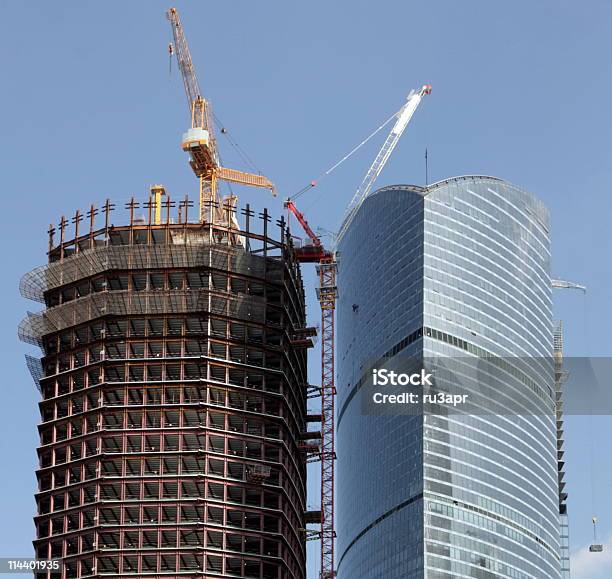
<point>521,91</point>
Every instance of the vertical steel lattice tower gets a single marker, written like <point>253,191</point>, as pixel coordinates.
<point>173,398</point>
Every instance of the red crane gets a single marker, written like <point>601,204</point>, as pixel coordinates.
<point>314,252</point>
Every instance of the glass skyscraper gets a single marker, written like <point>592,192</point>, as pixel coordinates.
<point>458,269</point>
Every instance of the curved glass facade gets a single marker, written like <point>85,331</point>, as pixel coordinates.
<point>455,269</point>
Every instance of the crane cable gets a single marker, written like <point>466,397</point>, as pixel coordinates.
<point>591,427</point>
<point>314,182</point>
<point>235,145</point>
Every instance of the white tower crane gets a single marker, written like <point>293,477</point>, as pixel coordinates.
<point>403,118</point>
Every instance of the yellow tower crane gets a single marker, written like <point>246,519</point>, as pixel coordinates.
<point>199,141</point>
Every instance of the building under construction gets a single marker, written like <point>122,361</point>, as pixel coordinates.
<point>173,407</point>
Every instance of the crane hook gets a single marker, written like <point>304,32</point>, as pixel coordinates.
<point>595,547</point>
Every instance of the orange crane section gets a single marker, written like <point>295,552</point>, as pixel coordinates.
<point>199,141</point>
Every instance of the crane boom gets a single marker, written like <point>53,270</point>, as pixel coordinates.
<point>242,178</point>
<point>200,112</point>
<point>183,57</point>
<point>312,252</point>
<point>302,220</point>
<point>403,118</point>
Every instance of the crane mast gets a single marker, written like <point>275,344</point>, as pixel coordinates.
<point>404,116</point>
<point>199,141</point>
<point>327,293</point>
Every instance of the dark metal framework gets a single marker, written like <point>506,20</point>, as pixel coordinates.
<point>173,398</point>
<point>327,294</point>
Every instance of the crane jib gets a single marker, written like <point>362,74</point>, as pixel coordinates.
<point>404,117</point>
